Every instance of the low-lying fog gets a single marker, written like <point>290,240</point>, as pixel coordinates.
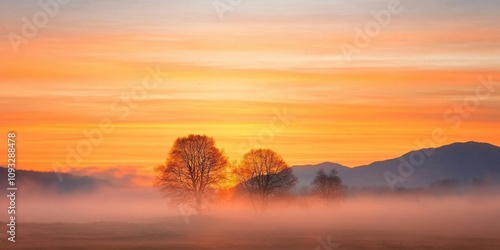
<point>470,215</point>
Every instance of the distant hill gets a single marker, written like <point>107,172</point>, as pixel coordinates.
<point>48,182</point>
<point>459,161</point>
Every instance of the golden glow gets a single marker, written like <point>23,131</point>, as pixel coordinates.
<point>227,80</point>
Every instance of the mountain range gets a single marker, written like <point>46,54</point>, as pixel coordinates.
<point>459,161</point>
<point>52,183</point>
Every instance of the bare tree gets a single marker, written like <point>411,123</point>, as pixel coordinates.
<point>328,186</point>
<point>264,176</point>
<point>193,172</point>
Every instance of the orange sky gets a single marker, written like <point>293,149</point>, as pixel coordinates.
<point>227,79</point>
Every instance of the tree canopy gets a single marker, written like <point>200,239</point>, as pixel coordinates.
<point>328,186</point>
<point>194,170</point>
<point>264,176</point>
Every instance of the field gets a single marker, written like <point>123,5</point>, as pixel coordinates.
<point>212,233</point>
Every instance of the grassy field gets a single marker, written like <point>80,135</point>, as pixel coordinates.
<point>209,233</point>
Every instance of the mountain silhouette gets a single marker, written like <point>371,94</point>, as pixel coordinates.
<point>50,182</point>
<point>458,161</point>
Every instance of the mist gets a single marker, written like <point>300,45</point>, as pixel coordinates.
<point>456,215</point>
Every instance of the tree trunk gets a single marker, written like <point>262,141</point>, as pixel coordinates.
<point>198,205</point>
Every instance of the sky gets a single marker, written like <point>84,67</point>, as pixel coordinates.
<point>270,74</point>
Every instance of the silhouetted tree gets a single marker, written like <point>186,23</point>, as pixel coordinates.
<point>193,172</point>
<point>328,186</point>
<point>264,175</point>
